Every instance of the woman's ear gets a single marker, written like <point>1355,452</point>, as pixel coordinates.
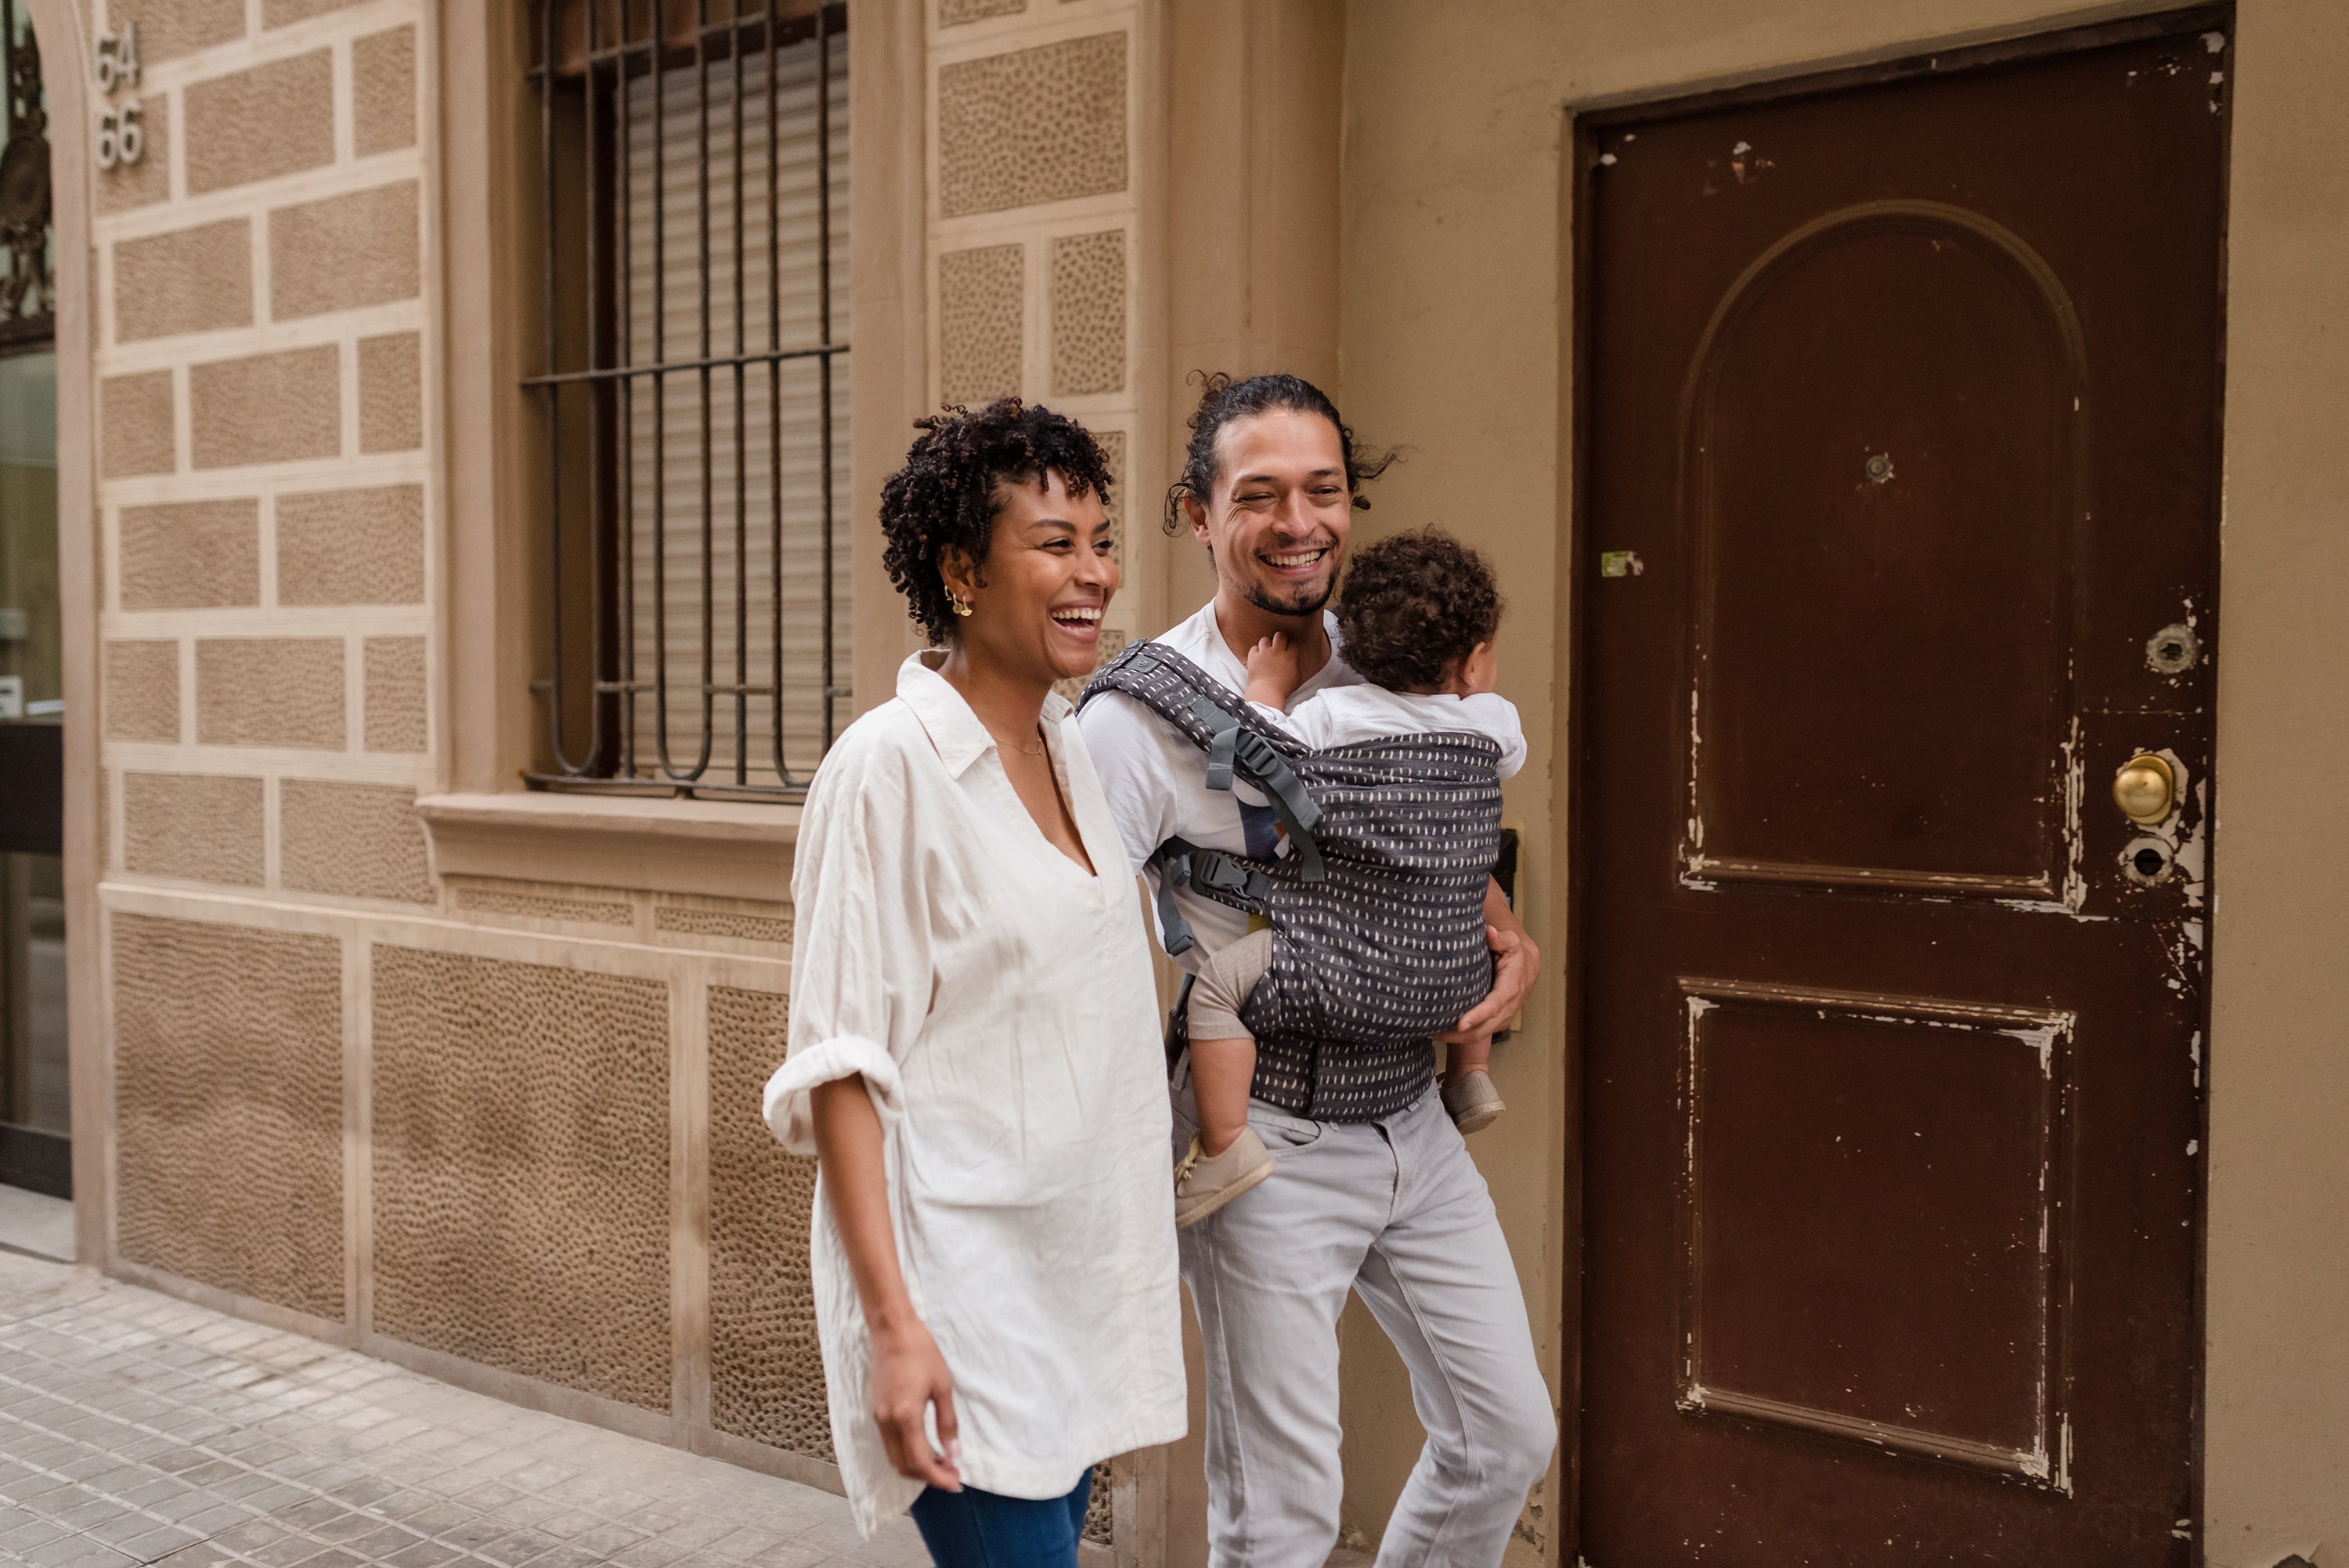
<point>957,570</point>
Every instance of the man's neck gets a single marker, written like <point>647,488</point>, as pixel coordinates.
<point>1244,624</point>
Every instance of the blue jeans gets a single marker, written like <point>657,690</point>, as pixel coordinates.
<point>974,1529</point>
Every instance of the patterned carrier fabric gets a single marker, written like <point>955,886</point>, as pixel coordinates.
<point>1387,947</point>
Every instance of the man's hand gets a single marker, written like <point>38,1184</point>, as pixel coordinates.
<point>1275,670</point>
<point>1516,963</point>
<point>909,1376</point>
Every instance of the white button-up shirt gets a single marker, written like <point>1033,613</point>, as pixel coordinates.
<point>1000,1005</point>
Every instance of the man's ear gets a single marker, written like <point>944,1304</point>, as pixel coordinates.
<point>1199,516</point>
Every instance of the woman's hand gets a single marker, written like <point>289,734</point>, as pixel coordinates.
<point>909,1377</point>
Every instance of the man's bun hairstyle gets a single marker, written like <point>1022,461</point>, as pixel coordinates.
<point>945,495</point>
<point>1413,604</point>
<point>1223,400</point>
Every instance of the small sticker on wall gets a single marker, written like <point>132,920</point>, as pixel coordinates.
<point>1619,563</point>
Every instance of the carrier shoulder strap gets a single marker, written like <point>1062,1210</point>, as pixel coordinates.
<point>1221,725</point>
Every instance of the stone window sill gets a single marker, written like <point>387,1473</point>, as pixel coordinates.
<point>722,849</point>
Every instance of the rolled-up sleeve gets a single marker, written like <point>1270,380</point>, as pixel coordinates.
<point>861,949</point>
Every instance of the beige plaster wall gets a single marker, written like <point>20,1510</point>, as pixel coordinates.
<point>1451,348</point>
<point>1455,311</point>
<point>2278,1390</point>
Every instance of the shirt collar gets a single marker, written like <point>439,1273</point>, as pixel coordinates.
<point>953,729</point>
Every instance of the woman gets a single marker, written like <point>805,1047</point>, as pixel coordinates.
<point>975,1058</point>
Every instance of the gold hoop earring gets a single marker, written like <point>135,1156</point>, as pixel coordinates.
<point>960,607</point>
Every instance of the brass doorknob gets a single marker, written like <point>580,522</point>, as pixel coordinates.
<point>2145,789</point>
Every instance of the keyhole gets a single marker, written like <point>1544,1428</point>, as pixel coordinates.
<point>2148,864</point>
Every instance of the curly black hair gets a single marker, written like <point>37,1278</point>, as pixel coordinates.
<point>1413,605</point>
<point>945,495</point>
<point>1223,400</point>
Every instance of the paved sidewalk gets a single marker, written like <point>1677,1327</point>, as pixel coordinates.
<point>136,1428</point>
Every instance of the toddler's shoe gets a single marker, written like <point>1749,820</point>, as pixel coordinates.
<point>1204,1182</point>
<point>1472,1100</point>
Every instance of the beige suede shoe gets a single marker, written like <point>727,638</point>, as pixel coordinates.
<point>1473,1102</point>
<point>1204,1182</point>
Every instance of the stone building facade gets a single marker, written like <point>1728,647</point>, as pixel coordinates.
<point>377,1036</point>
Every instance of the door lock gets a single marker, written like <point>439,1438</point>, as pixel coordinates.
<point>2145,789</point>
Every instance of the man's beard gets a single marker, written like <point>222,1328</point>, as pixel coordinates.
<point>1304,602</point>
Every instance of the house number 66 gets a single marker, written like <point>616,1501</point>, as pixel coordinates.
<point>121,140</point>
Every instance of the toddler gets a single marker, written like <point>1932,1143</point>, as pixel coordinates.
<point>1418,616</point>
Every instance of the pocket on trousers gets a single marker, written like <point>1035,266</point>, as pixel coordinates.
<point>1283,1134</point>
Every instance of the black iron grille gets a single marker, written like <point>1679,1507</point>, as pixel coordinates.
<point>693,624</point>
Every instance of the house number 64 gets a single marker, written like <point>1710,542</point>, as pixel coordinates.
<point>121,140</point>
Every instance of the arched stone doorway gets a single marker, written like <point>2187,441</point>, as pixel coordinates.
<point>47,684</point>
<point>36,1115</point>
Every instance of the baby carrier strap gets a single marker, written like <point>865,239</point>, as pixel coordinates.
<point>1238,746</point>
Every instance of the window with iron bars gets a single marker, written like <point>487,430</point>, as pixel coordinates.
<point>692,404</point>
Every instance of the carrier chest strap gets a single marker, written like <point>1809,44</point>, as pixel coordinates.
<point>1178,860</point>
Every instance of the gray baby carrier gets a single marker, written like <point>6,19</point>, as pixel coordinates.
<point>1377,910</point>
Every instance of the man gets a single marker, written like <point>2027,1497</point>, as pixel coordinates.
<point>1391,1208</point>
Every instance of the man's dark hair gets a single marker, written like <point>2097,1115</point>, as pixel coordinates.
<point>1414,603</point>
<point>945,495</point>
<point>1223,400</point>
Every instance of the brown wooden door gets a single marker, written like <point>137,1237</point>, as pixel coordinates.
<point>1903,393</point>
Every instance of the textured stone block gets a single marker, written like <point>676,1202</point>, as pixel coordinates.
<point>1034,124</point>
<point>170,28</point>
<point>358,840</point>
<point>955,13</point>
<point>257,124</point>
<point>279,12</point>
<point>270,691</point>
<point>127,186</point>
<point>1089,313</point>
<point>734,925</point>
<point>229,1108</point>
<point>517,904</point>
<point>395,712</point>
<point>347,251</point>
<point>202,826</point>
<point>189,280</point>
<point>266,407</point>
<point>766,1372</point>
<point>190,554</point>
<point>982,310</point>
<point>351,546</point>
<point>134,419</point>
<point>391,393</point>
<point>522,1169</point>
<point>383,91</point>
<point>141,701</point>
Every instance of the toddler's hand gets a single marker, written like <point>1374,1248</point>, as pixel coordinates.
<point>1272,670</point>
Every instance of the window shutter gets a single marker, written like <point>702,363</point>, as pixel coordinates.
<point>701,464</point>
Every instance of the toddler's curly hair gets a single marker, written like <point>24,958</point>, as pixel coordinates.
<point>1413,604</point>
<point>945,495</point>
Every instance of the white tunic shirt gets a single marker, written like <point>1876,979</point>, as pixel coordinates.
<point>1000,1005</point>
<point>1157,780</point>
